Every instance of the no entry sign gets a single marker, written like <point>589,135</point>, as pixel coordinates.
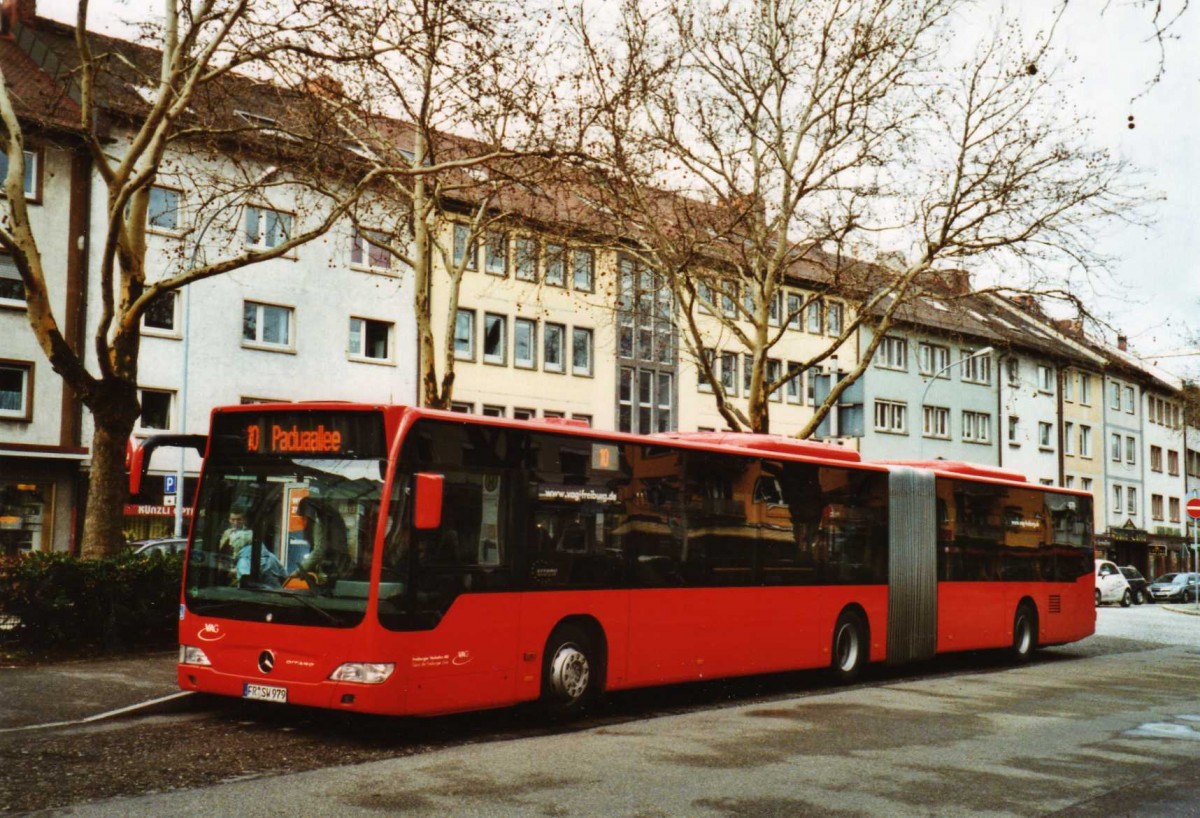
<point>1193,508</point>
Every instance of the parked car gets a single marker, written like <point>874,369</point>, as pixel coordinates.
<point>1176,587</point>
<point>1111,585</point>
<point>1137,584</point>
<point>159,545</point>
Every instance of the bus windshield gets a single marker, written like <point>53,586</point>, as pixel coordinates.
<point>285,539</point>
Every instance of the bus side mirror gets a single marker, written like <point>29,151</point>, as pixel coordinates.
<point>427,514</point>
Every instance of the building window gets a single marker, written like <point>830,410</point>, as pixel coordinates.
<point>370,340</point>
<point>11,287</point>
<point>1156,506</point>
<point>495,339</point>
<point>794,304</point>
<point>892,354</point>
<point>156,409</point>
<point>581,351</point>
<point>267,325</point>
<point>492,411</point>
<point>934,359</point>
<point>31,172</point>
<point>1131,501</point>
<point>585,418</point>
<point>550,414</point>
<point>1156,458</point>
<point>891,417</point>
<point>815,317</point>
<point>1115,448</point>
<point>1114,402</point>
<point>1069,482</point>
<point>583,270</point>
<point>644,401</point>
<point>1045,379</point>
<point>163,211</point>
<point>1068,386</point>
<point>977,427</point>
<point>729,373</point>
<point>16,390</point>
<point>1013,367</point>
<point>462,408</point>
<point>976,368</point>
<point>729,299</point>
<point>464,335</point>
<point>552,347</point>
<point>1085,389</point>
<point>1069,438</point>
<point>368,250</point>
<point>524,343</point>
<point>1045,430</point>
<point>495,255</point>
<point>1014,424</point>
<point>774,308</point>
<point>1172,463</point>
<point>1174,506</point>
<point>266,228</point>
<point>703,384</point>
<point>747,373</point>
<point>1129,404</point>
<point>833,319</point>
<point>527,258</point>
<point>1085,483</point>
<point>160,314</point>
<point>466,252</point>
<point>795,384</point>
<point>1085,441</point>
<point>556,262</point>
<point>774,374</point>
<point>1130,450</point>
<point>936,422</point>
<point>523,414</point>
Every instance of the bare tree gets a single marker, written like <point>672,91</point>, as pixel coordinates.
<point>462,100</point>
<point>801,130</point>
<point>183,106</point>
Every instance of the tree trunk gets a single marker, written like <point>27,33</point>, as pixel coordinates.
<point>115,411</point>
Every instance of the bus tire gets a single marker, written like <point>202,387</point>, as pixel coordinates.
<point>570,673</point>
<point>850,650</point>
<point>1024,633</point>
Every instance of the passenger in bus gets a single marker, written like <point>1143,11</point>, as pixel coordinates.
<point>270,570</point>
<point>325,530</point>
<point>236,535</point>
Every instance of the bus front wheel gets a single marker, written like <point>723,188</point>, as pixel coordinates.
<point>850,650</point>
<point>570,673</point>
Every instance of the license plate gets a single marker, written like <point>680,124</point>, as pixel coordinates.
<point>266,693</point>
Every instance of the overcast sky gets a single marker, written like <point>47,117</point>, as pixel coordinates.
<point>1154,295</point>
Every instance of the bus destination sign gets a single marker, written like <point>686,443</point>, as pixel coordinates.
<point>293,440</point>
<point>299,433</point>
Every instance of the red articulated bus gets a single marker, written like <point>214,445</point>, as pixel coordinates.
<point>395,560</point>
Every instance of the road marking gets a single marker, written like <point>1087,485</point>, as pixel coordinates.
<point>99,716</point>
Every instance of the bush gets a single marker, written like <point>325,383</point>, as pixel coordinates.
<point>63,604</point>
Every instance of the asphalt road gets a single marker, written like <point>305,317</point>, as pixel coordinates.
<point>1109,726</point>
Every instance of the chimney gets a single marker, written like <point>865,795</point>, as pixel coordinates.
<point>1122,343</point>
<point>16,11</point>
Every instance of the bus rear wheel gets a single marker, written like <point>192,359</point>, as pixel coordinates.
<point>850,650</point>
<point>1024,633</point>
<point>570,673</point>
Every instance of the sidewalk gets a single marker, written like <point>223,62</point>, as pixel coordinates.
<point>82,689</point>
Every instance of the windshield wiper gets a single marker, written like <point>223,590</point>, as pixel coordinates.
<point>304,600</point>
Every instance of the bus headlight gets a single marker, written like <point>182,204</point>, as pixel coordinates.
<point>189,655</point>
<point>364,673</point>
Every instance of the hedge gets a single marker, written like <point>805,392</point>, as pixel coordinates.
<point>62,604</point>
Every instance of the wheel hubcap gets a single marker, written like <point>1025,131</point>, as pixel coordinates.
<point>569,672</point>
<point>847,647</point>
<point>1024,636</point>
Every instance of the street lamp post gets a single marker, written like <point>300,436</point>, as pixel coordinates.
<point>979,353</point>
<point>187,336</point>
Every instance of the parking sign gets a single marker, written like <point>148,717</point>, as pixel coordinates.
<point>169,484</point>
